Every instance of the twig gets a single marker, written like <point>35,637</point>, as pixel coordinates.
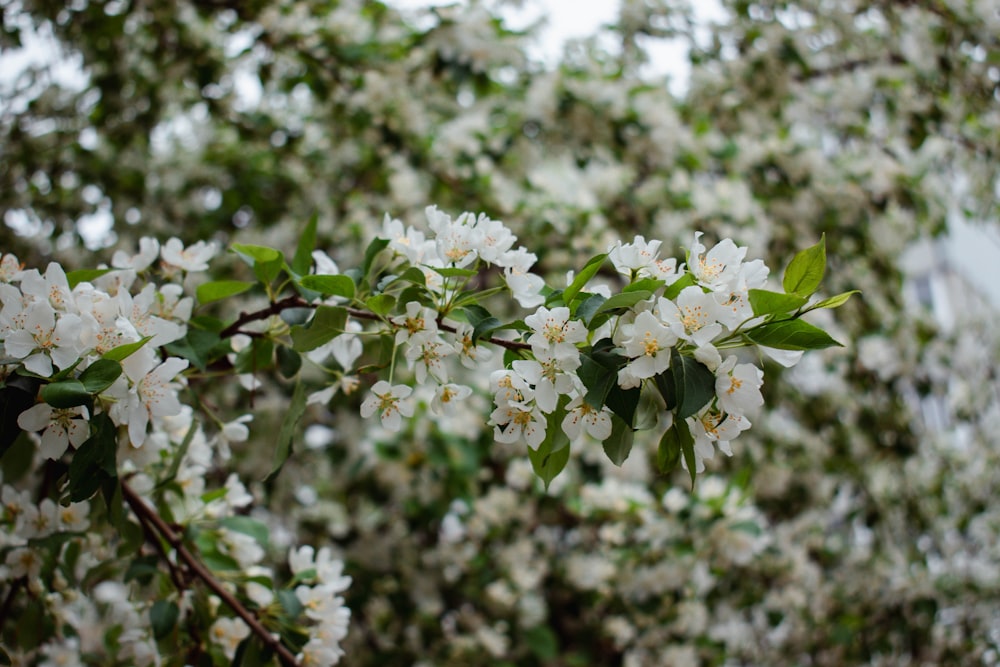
<point>149,517</point>
<point>295,301</point>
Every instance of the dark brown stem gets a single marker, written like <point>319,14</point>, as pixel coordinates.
<point>149,518</point>
<point>8,601</point>
<point>295,301</point>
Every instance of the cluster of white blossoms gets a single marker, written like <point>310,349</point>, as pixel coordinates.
<point>322,581</point>
<point>696,309</point>
<point>459,243</point>
<point>87,349</point>
<point>699,321</point>
<point>56,330</point>
<point>531,389</point>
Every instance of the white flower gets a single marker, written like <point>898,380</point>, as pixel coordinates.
<point>62,427</point>
<point>53,287</point>
<point>518,419</point>
<point>470,354</point>
<point>426,355</point>
<point>693,317</point>
<point>492,239</point>
<point>738,387</point>
<point>152,395</point>
<point>581,416</point>
<point>390,402</point>
<point>553,330</point>
<point>718,266</point>
<point>193,258</point>
<point>404,240</point>
<point>149,248</point>
<point>44,340</point>
<point>524,286</point>
<point>24,562</point>
<point>417,320</point>
<point>734,297</point>
<point>73,517</point>
<point>551,376</point>
<point>10,268</point>
<point>447,396</point>
<point>648,347</point>
<point>228,633</point>
<point>634,258</point>
<point>455,241</point>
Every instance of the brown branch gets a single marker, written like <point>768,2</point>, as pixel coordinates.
<point>8,601</point>
<point>148,516</point>
<point>295,301</point>
<point>276,307</point>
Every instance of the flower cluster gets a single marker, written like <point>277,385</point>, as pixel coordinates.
<point>59,331</point>
<point>585,359</point>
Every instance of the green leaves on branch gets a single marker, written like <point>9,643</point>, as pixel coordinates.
<point>791,335</point>
<point>265,262</point>
<point>336,285</point>
<point>221,289</point>
<point>805,272</point>
<point>328,323</point>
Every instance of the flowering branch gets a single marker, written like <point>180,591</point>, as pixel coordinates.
<point>152,521</point>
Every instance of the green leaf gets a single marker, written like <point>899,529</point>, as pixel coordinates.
<point>380,304</point>
<point>452,272</point>
<point>94,460</point>
<point>289,361</point>
<point>644,285</point>
<point>835,301</point>
<point>326,324</point>
<point>619,443</point>
<point>623,402</point>
<point>791,335</point>
<point>547,461</point>
<point>481,320</point>
<point>599,371</point>
<point>580,280</point>
<point>221,289</point>
<point>266,262</point>
<point>587,308</point>
<point>668,453</point>
<point>805,272</point>
<point>283,448</point>
<point>371,252</point>
<point>764,302</point>
<point>694,384</point>
<point>686,441</point>
<point>411,275</point>
<point>255,357</point>
<point>17,394</point>
<point>123,352</point>
<point>338,285</point>
<point>100,375</point>
<point>247,526</point>
<point>163,617</point>
<point>302,261</point>
<point>675,288</point>
<point>200,347</point>
<point>74,278</point>
<point>143,569</point>
<point>623,301</point>
<point>66,394</point>
<point>542,641</point>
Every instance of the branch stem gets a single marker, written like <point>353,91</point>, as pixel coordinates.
<point>149,518</point>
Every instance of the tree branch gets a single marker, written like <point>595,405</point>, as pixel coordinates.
<point>149,518</point>
<point>295,301</point>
